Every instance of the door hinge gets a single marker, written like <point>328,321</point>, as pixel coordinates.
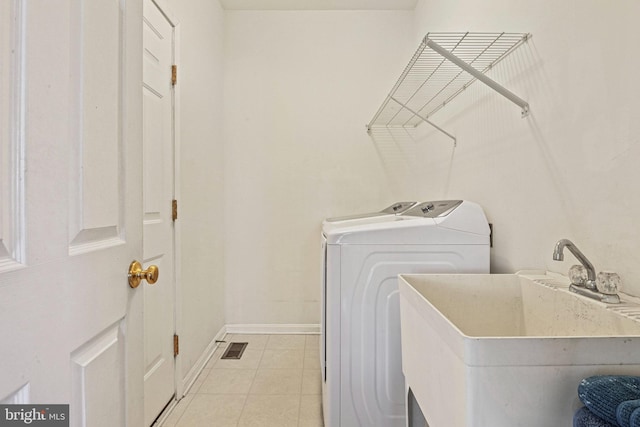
<point>174,209</point>
<point>176,345</point>
<point>174,75</point>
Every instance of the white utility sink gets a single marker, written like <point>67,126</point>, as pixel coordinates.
<point>485,350</point>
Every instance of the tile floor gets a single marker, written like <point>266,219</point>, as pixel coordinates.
<point>276,383</point>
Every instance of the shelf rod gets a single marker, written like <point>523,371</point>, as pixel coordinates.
<point>455,142</point>
<point>480,76</point>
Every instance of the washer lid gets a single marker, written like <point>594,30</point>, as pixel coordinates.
<point>358,223</point>
<point>435,209</point>
<point>394,209</point>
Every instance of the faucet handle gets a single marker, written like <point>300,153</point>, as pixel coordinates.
<point>578,275</point>
<point>608,282</point>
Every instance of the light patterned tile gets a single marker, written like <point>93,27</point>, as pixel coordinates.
<point>198,382</point>
<point>281,374</point>
<point>282,359</point>
<point>286,342</point>
<point>213,410</point>
<point>310,412</point>
<point>250,360</point>
<point>228,381</point>
<point>255,341</point>
<point>311,382</point>
<point>270,411</point>
<point>216,355</point>
<point>312,342</point>
<point>312,352</point>
<point>311,361</point>
<point>277,381</point>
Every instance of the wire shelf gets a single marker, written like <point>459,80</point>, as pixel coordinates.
<point>444,65</point>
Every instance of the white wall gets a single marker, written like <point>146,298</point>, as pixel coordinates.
<point>569,170</point>
<point>201,183</point>
<point>299,88</point>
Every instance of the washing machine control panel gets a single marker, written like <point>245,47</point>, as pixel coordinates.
<point>435,209</point>
<point>398,207</point>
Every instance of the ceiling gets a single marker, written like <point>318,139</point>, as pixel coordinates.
<point>318,4</point>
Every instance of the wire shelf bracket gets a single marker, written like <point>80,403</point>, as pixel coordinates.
<point>444,65</point>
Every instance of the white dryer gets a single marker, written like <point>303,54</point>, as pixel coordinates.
<point>362,380</point>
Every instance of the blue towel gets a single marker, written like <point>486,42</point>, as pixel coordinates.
<point>584,418</point>
<point>628,413</point>
<point>625,410</point>
<point>603,394</point>
<point>634,421</point>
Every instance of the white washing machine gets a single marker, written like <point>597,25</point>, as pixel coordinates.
<point>362,380</point>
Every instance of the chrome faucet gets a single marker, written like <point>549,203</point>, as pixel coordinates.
<point>589,288</point>
<point>558,255</point>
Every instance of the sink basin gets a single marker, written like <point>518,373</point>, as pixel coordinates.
<point>508,350</point>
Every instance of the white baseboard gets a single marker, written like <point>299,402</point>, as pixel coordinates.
<point>193,373</point>
<point>273,329</point>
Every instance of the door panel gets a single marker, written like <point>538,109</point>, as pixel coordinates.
<point>96,159</point>
<point>11,140</point>
<point>158,190</point>
<point>70,207</point>
<point>93,380</point>
<point>99,104</point>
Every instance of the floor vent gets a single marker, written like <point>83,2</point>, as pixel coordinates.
<point>235,350</point>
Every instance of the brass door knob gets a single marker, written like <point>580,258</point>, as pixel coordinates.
<point>136,274</point>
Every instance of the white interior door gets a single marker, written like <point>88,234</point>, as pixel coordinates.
<point>158,188</point>
<point>70,207</point>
